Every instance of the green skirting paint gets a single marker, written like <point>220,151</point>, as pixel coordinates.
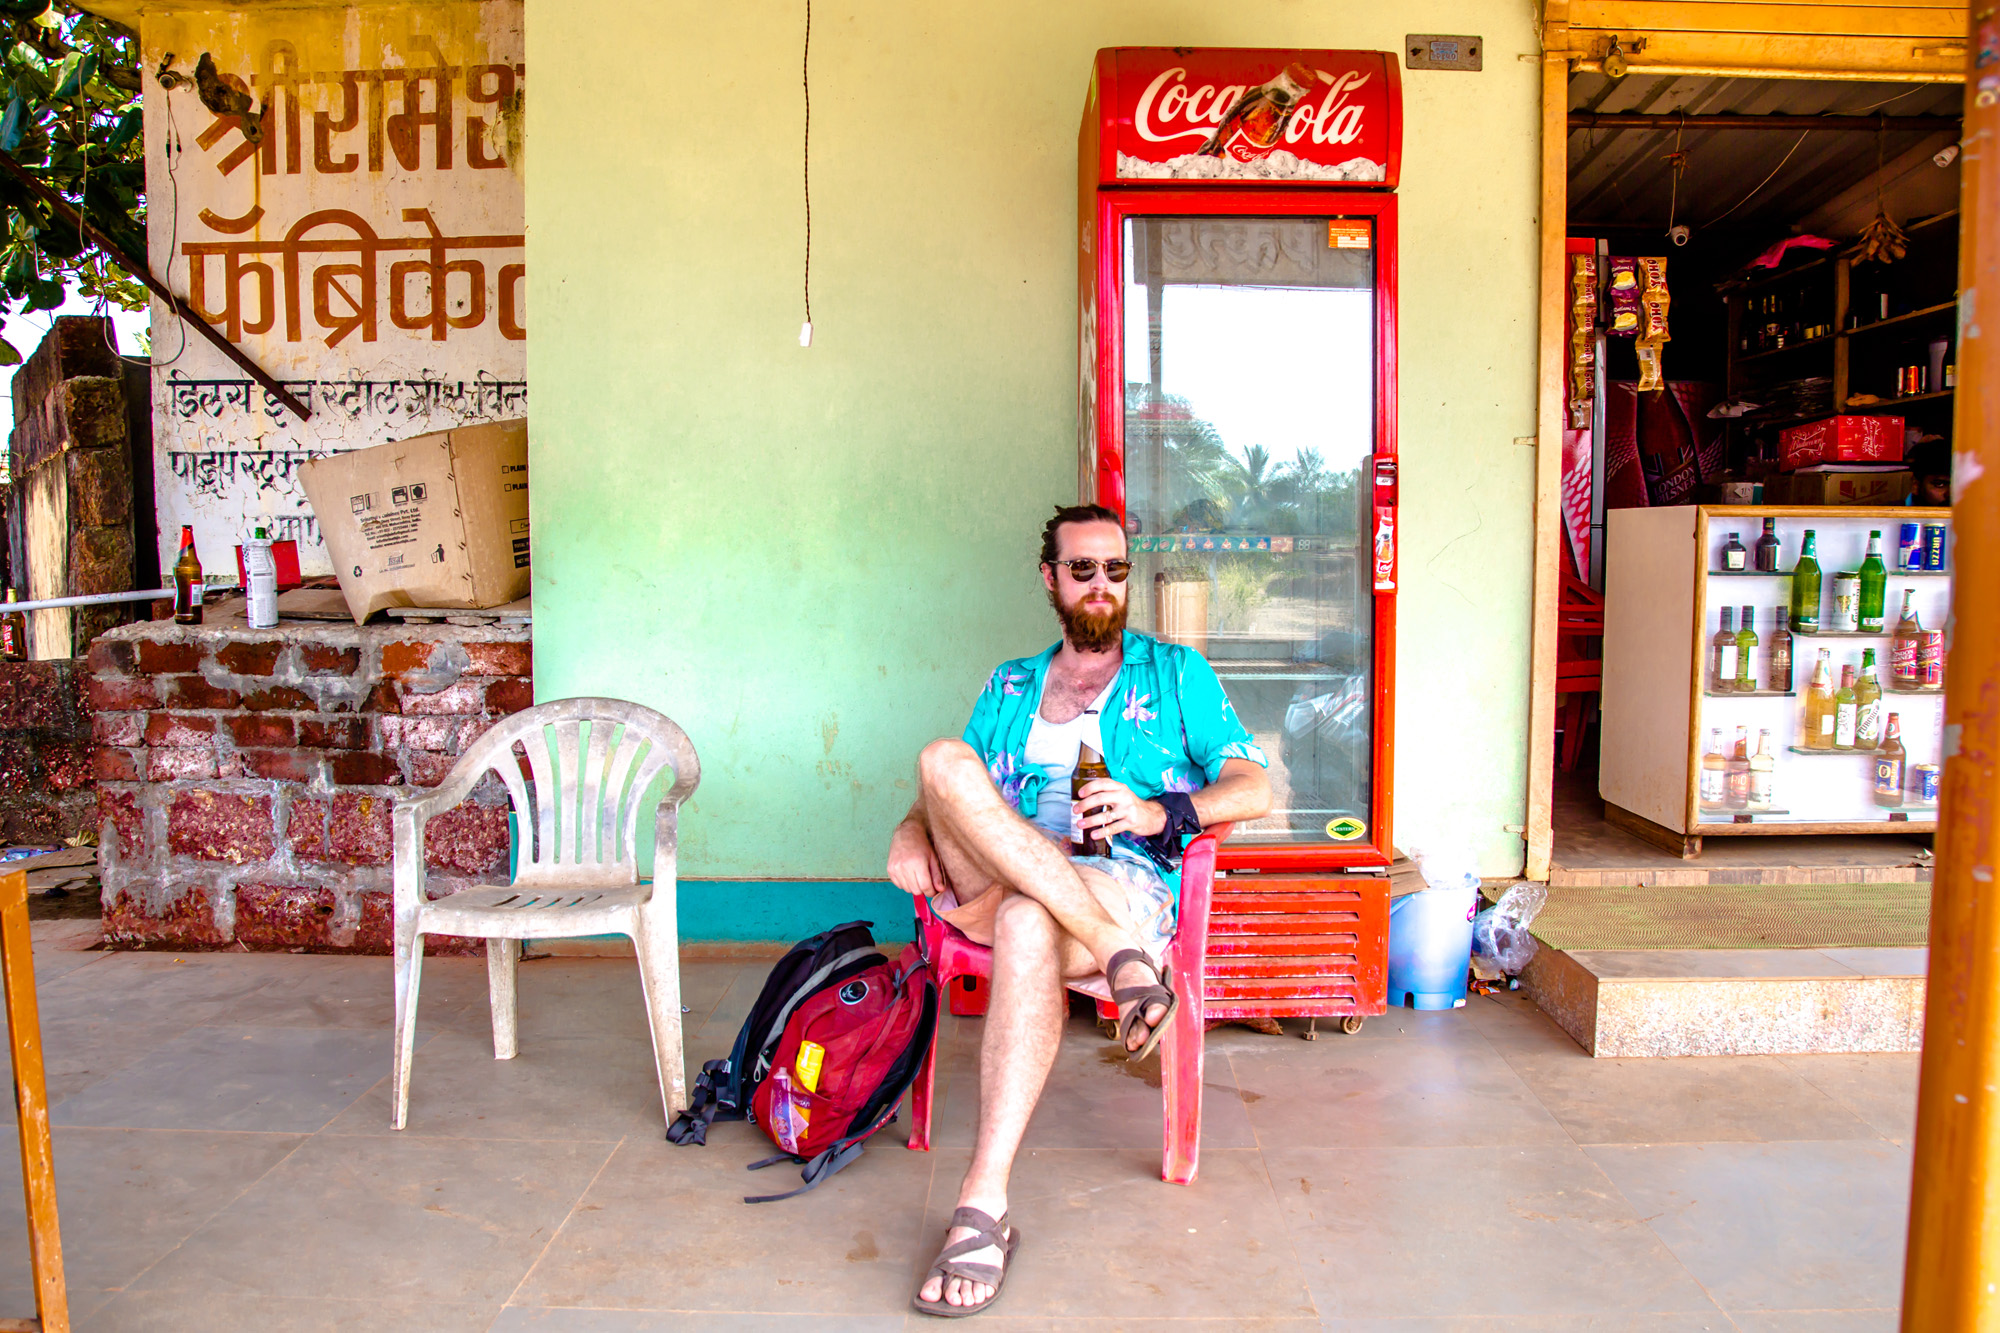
<point>789,909</point>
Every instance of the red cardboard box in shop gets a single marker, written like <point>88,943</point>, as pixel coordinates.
<point>1841,439</point>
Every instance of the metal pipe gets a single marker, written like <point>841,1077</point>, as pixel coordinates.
<point>90,599</point>
<point>1624,120</point>
<point>1952,1267</point>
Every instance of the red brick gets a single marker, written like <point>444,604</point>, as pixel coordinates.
<point>499,659</point>
<point>128,822</point>
<point>428,768</point>
<point>334,733</point>
<point>280,765</point>
<point>249,658</point>
<point>305,829</point>
<point>376,932</point>
<point>188,919</point>
<point>467,840</point>
<point>114,694</point>
<point>116,765</point>
<point>384,698</point>
<point>157,658</point>
<point>510,694</point>
<point>220,826</point>
<point>178,765</point>
<point>283,916</point>
<point>404,658</point>
<point>194,692</point>
<point>118,728</point>
<point>261,731</point>
<point>322,659</point>
<point>362,768</point>
<point>66,765</point>
<point>465,696</point>
<point>472,729</point>
<point>111,657</point>
<point>280,697</point>
<point>358,830</point>
<point>420,733</point>
<point>180,729</point>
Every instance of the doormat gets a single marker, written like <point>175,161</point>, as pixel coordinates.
<point>1737,916</point>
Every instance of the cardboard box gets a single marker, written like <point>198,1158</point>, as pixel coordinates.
<point>438,520</point>
<point>1841,439</point>
<point>1887,487</point>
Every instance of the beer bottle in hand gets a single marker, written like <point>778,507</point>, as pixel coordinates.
<point>1089,767</point>
<point>187,581</point>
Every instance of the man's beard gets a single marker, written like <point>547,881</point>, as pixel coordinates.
<point>1092,631</point>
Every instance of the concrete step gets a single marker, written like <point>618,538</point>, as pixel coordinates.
<point>1655,1002</point>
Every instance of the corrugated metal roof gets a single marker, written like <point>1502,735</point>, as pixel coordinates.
<point>1625,175</point>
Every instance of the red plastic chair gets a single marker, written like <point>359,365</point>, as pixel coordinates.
<point>1579,661</point>
<point>953,956</point>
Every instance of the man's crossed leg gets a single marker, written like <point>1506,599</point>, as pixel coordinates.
<point>1049,922</point>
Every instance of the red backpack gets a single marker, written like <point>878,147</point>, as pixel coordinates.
<point>847,1056</point>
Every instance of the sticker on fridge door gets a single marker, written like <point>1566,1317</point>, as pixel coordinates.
<point>1345,829</point>
<point>1348,235</point>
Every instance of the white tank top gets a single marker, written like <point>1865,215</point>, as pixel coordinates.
<point>1052,748</point>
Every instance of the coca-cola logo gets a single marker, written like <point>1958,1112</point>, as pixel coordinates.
<point>1169,100</point>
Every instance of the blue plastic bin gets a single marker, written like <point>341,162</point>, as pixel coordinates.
<point>1430,947</point>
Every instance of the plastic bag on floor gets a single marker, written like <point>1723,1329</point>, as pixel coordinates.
<point>1500,939</point>
<point>1445,867</point>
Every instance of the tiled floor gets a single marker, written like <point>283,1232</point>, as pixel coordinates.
<point>225,1162</point>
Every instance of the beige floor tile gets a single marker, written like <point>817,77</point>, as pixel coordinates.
<point>1818,1321</point>
<point>555,1087</point>
<point>1448,1087</point>
<point>1725,1098</point>
<point>522,1319</point>
<point>275,1080</point>
<point>1709,1321</point>
<point>666,1227</point>
<point>1519,1232</point>
<point>1776,1226</point>
<point>1881,1089</point>
<point>214,1312</point>
<point>404,1219</point>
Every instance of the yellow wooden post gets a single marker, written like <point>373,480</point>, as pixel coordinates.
<point>31,1101</point>
<point>1951,1277</point>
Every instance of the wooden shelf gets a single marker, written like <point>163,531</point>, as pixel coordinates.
<point>1824,340</point>
<point>1849,404</point>
<point>1904,318</point>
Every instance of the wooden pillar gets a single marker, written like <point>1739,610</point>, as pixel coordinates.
<point>1548,441</point>
<point>1951,1281</point>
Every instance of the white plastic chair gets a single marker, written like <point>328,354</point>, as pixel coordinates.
<point>578,872</point>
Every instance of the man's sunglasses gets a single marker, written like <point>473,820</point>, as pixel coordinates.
<point>1083,571</point>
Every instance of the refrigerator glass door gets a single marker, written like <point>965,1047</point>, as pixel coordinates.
<point>1250,372</point>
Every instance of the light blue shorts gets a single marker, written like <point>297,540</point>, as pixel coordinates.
<point>1149,900</point>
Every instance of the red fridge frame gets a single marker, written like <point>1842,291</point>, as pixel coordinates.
<point>1102,405</point>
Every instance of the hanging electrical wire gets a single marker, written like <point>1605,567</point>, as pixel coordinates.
<point>1762,183</point>
<point>805,79</point>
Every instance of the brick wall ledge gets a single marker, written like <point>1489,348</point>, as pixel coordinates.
<point>245,777</point>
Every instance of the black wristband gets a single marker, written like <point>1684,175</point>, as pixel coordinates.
<point>1182,822</point>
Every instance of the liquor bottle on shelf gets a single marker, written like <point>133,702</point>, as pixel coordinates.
<point>1778,657</point>
<point>187,581</point>
<point>1903,670</point>
<point>1867,704</point>
<point>1845,710</point>
<point>13,634</point>
<point>1746,652</point>
<point>1805,587</point>
<point>1714,771</point>
<point>1762,773</point>
<point>1820,719</point>
<point>1736,777</point>
<point>1722,655</point>
<point>1874,585</point>
<point>1767,548</point>
<point>1735,559</point>
<point>1889,766</point>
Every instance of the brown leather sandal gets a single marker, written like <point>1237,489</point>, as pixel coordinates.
<point>948,1265</point>
<point>1144,997</point>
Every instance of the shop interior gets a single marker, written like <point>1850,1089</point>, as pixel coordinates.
<point>1809,230</point>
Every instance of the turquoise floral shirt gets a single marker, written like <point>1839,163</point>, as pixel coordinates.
<point>1167,727</point>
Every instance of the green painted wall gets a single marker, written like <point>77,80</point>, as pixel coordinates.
<point>812,558</point>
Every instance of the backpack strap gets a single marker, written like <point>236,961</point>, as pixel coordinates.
<point>691,1125</point>
<point>819,1168</point>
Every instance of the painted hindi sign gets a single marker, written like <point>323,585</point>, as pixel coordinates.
<point>358,235</point>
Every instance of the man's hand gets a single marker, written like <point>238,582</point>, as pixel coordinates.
<point>913,862</point>
<point>1110,807</point>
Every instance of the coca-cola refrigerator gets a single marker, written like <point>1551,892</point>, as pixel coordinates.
<point>1237,403</point>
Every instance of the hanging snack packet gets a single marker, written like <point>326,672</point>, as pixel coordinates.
<point>1654,299</point>
<point>1582,339</point>
<point>1624,290</point>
